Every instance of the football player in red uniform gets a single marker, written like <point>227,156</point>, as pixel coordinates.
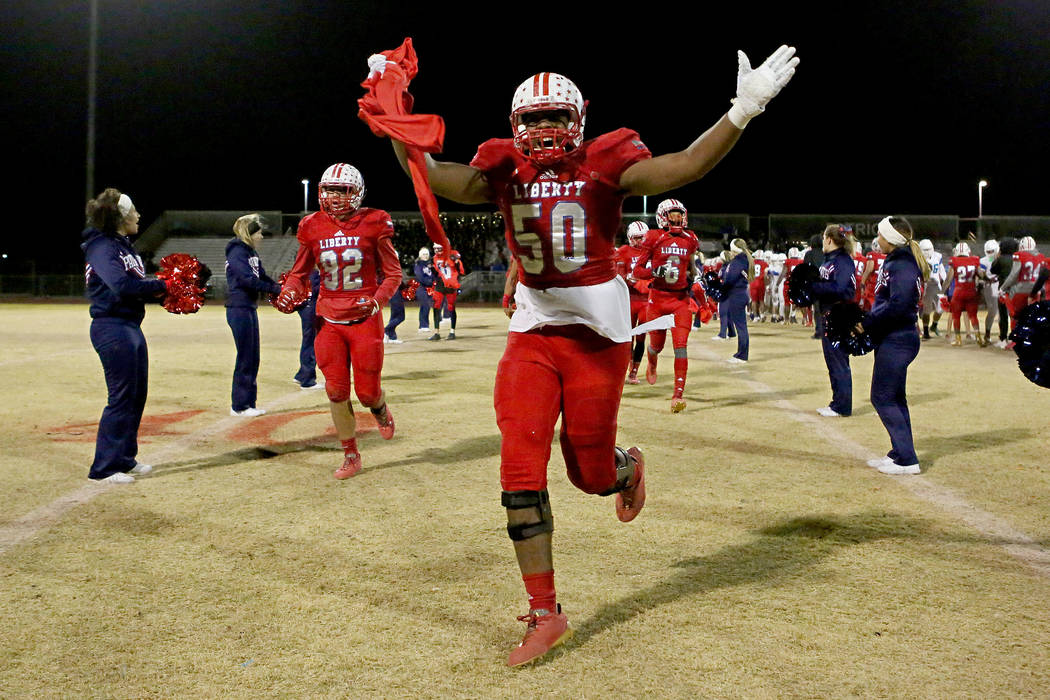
<point>569,341</point>
<point>964,269</point>
<point>794,259</point>
<point>350,245</point>
<point>1019,286</point>
<point>667,260</point>
<point>860,263</point>
<point>638,289</point>
<point>757,287</point>
<point>449,268</point>
<point>870,277</point>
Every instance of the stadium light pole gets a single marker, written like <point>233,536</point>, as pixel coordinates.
<point>306,195</point>
<point>980,197</point>
<point>91,89</point>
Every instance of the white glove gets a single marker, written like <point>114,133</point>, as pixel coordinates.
<point>755,88</point>
<point>377,64</point>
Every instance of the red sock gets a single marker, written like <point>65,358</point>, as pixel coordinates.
<point>350,446</point>
<point>540,588</point>
<point>681,364</point>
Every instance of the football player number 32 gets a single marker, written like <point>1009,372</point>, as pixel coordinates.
<point>568,227</point>
<point>340,271</point>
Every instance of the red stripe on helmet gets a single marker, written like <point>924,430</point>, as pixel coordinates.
<point>546,83</point>
<point>536,84</point>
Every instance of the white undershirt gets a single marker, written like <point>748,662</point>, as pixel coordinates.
<point>604,308</point>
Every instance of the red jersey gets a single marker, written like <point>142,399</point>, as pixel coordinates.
<point>672,250</point>
<point>859,262</point>
<point>964,269</point>
<point>349,255</point>
<point>1029,266</point>
<point>626,258</point>
<point>761,266</point>
<point>873,278</point>
<point>562,219</point>
<point>448,271</point>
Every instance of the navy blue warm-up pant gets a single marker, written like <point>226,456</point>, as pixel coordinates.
<point>397,315</point>
<point>307,374</point>
<point>736,318</point>
<point>837,361</point>
<point>122,348</point>
<point>888,379</point>
<point>244,322</point>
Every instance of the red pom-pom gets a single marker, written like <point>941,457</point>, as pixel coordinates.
<point>409,292</point>
<point>182,273</point>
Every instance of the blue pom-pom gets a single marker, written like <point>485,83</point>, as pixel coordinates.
<point>1031,338</point>
<point>840,322</point>
<point>711,281</point>
<point>800,284</point>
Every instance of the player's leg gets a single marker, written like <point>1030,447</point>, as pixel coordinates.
<point>637,316</point>
<point>333,358</point>
<point>971,314</point>
<point>438,299</point>
<point>366,361</point>
<point>590,367</point>
<point>657,339</point>
<point>450,301</point>
<point>680,342</point>
<point>527,399</point>
<point>956,309</point>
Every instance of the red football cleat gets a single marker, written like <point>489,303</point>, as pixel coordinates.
<point>650,368</point>
<point>351,465</point>
<point>385,423</point>
<point>630,501</point>
<point>546,630</point>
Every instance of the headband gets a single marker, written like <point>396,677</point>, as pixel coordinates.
<point>124,205</point>
<point>892,235</point>
<point>733,247</point>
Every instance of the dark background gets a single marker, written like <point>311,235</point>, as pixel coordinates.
<point>227,104</point>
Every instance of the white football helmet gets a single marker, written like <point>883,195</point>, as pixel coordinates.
<point>636,232</point>
<point>547,92</point>
<point>438,249</point>
<point>794,253</point>
<point>926,246</point>
<point>666,207</point>
<point>991,247</point>
<point>962,249</point>
<point>1027,244</point>
<point>875,245</point>
<point>340,191</point>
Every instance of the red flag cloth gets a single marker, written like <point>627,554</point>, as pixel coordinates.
<point>387,109</point>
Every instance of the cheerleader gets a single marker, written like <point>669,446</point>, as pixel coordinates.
<point>736,280</point>
<point>892,326</point>
<point>837,283</point>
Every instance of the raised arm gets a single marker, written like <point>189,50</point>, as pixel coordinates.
<point>460,183</point>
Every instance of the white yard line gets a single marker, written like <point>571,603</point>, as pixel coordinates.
<point>997,530</point>
<point>39,519</point>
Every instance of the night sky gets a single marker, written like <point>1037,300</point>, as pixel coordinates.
<point>227,104</point>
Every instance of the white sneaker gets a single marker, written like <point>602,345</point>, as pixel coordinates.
<point>248,412</point>
<point>119,478</point>
<point>717,338</point>
<point>141,469</point>
<point>893,468</point>
<point>828,412</point>
<point>391,341</point>
<point>736,361</point>
<point>311,387</point>
<point>876,463</point>
<point>424,330</point>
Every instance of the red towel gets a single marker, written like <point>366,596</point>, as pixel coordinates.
<point>387,109</point>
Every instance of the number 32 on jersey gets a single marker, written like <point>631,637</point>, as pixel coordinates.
<point>567,228</point>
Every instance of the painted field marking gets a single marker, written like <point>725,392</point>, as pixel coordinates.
<point>997,530</point>
<point>43,517</point>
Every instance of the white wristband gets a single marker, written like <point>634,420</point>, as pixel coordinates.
<point>741,115</point>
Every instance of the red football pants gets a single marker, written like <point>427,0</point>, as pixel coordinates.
<point>663,303</point>
<point>439,297</point>
<point>964,300</point>
<point>566,370</point>
<point>340,348</point>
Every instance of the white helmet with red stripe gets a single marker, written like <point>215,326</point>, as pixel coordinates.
<point>340,190</point>
<point>547,92</point>
<point>666,207</point>
<point>962,249</point>
<point>1027,244</point>
<point>636,232</point>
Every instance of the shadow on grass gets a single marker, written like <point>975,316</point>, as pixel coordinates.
<point>779,551</point>
<point>319,443</point>
<point>480,447</point>
<point>933,448</point>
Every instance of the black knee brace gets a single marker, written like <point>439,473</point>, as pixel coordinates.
<point>540,500</point>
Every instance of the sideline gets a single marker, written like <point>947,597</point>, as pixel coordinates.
<point>998,531</point>
<point>39,519</point>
